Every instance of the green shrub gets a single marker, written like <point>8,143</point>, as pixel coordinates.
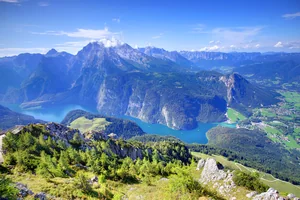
<point>7,190</point>
<point>250,181</point>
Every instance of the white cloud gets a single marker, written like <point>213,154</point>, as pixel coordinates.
<point>118,20</point>
<point>16,51</point>
<point>75,46</point>
<point>10,1</point>
<point>43,4</point>
<point>82,33</point>
<point>111,42</point>
<point>289,45</point>
<point>232,46</point>
<point>291,16</point>
<point>278,45</point>
<point>257,45</point>
<point>214,42</point>
<point>158,36</point>
<point>211,48</point>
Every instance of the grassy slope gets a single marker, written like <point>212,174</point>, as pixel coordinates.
<point>234,115</point>
<point>157,190</point>
<point>282,186</point>
<point>84,125</point>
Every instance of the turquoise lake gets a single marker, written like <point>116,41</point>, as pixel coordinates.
<point>56,114</point>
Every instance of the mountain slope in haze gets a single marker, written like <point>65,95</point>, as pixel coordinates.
<point>210,60</point>
<point>282,71</point>
<point>14,70</point>
<point>167,55</point>
<point>9,119</point>
<point>152,86</point>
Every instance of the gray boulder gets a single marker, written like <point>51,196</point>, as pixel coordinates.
<point>94,179</point>
<point>40,196</point>
<point>271,194</point>
<point>291,196</point>
<point>23,190</point>
<point>211,172</point>
<point>200,164</point>
<point>251,194</point>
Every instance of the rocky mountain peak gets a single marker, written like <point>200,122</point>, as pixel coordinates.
<point>52,52</point>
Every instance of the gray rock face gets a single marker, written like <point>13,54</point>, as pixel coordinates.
<point>271,194</point>
<point>40,196</point>
<point>133,153</point>
<point>200,164</point>
<point>291,196</point>
<point>211,172</point>
<point>23,190</point>
<point>94,179</point>
<point>251,194</point>
<point>222,181</point>
<point>62,132</point>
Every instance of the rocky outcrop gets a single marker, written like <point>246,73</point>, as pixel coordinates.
<point>40,196</point>
<point>128,151</point>
<point>200,164</point>
<point>23,190</point>
<point>62,132</point>
<point>213,173</point>
<point>273,194</point>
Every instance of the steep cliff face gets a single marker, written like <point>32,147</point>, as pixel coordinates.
<point>166,100</point>
<point>242,92</point>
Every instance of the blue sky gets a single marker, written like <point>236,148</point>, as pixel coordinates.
<point>210,25</point>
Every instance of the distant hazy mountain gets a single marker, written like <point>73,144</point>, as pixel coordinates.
<point>167,55</point>
<point>9,119</point>
<point>210,60</point>
<point>282,71</point>
<point>152,84</point>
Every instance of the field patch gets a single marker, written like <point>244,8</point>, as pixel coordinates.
<point>234,115</point>
<point>84,125</point>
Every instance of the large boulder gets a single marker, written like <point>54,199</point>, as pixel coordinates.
<point>40,196</point>
<point>221,180</point>
<point>271,194</point>
<point>251,194</point>
<point>200,164</point>
<point>212,172</point>
<point>23,190</point>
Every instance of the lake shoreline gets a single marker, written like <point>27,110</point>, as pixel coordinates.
<point>57,114</point>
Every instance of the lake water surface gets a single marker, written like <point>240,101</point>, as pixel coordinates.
<point>57,114</point>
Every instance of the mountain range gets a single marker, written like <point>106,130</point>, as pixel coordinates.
<point>149,83</point>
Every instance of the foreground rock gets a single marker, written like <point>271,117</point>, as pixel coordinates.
<point>200,164</point>
<point>273,194</point>
<point>213,174</point>
<point>23,190</point>
<point>41,196</point>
